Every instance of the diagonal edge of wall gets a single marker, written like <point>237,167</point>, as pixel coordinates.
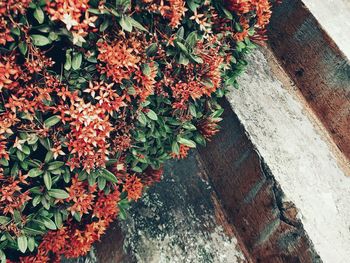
<point>252,198</point>
<point>276,175</point>
<point>312,46</point>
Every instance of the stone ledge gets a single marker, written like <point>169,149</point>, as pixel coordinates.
<point>252,199</point>
<point>311,40</point>
<point>276,176</point>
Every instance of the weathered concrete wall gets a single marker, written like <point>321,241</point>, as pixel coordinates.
<point>253,199</point>
<point>315,52</point>
<point>179,220</point>
<point>298,155</point>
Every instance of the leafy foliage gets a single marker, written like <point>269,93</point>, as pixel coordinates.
<point>95,97</point>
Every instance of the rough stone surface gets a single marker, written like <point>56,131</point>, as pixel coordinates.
<point>298,156</point>
<point>176,221</point>
<point>312,42</point>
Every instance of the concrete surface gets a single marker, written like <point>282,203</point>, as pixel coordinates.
<point>177,221</point>
<point>333,15</point>
<point>298,155</point>
<point>304,37</point>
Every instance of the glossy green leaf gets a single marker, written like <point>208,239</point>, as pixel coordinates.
<point>53,120</point>
<point>22,243</point>
<point>40,40</point>
<point>108,175</point>
<point>187,142</point>
<point>35,172</point>
<point>152,115</point>
<point>39,15</point>
<point>58,193</point>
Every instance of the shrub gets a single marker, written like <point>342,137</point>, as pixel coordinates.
<point>95,96</point>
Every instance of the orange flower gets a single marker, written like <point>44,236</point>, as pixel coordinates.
<point>133,187</point>
<point>208,127</point>
<point>174,11</point>
<point>81,195</point>
<point>106,206</point>
<point>9,72</point>
<point>120,58</point>
<point>146,80</point>
<point>183,152</point>
<point>5,33</point>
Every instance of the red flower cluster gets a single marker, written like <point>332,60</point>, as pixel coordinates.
<point>95,96</point>
<point>262,11</point>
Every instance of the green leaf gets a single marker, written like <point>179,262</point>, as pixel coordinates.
<point>23,48</point>
<point>175,148</point>
<point>101,182</point>
<point>196,59</point>
<point>68,63</point>
<point>26,149</point>
<point>152,115</point>
<point>31,244</point>
<point>104,25</point>
<point>189,126</point>
<point>192,39</point>
<point>125,23</point>
<point>183,60</point>
<point>22,243</point>
<point>16,31</point>
<point>142,118</point>
<point>137,169</point>
<point>58,219</point>
<point>20,155</point>
<point>137,24</point>
<point>46,143</point>
<point>2,257</point>
<point>187,142</point>
<point>217,113</point>
<point>47,180</point>
<point>52,121</point>
<point>49,223</point>
<point>180,33</point>
<point>53,36</point>
<point>200,140</point>
<point>152,49</point>
<point>14,169</point>
<point>32,231</point>
<point>4,162</point>
<point>55,165</point>
<point>36,200</point>
<point>58,193</point>
<point>122,214</point>
<point>39,15</point>
<point>76,62</point>
<point>193,5</point>
<point>108,175</point>
<point>181,46</point>
<point>35,172</point>
<point>48,157</point>
<point>39,40</point>
<point>146,70</point>
<point>4,220</point>
<point>192,109</point>
<point>227,13</point>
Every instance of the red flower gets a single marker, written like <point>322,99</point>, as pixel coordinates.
<point>9,72</point>
<point>133,187</point>
<point>183,152</point>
